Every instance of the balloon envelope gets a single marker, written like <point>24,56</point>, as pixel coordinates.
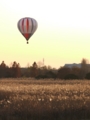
<point>27,26</point>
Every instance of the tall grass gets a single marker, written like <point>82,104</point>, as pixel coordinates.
<point>44,100</point>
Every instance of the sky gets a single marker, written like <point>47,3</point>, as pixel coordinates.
<point>62,36</point>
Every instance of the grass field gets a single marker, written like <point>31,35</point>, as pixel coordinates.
<point>29,99</point>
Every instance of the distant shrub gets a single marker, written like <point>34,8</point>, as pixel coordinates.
<point>48,74</point>
<point>51,74</point>
<point>71,76</point>
<point>41,77</point>
<point>87,76</point>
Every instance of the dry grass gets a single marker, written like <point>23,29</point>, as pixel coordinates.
<point>31,99</point>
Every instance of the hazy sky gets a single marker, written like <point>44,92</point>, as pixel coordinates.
<point>63,34</point>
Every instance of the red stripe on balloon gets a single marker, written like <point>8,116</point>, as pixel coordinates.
<point>27,25</point>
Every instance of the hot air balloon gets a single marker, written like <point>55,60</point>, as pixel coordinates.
<point>27,26</point>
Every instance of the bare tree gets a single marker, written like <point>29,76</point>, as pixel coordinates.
<point>3,64</point>
<point>84,68</point>
<point>15,69</point>
<point>34,70</point>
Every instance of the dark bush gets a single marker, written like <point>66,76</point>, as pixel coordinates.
<point>48,74</point>
<point>71,76</point>
<point>63,71</point>
<point>41,77</point>
<point>87,76</point>
<point>51,74</point>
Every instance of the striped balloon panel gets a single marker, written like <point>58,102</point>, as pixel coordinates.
<point>27,26</point>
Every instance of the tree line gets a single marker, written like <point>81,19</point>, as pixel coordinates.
<point>41,72</point>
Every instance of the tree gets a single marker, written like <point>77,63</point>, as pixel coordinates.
<point>34,70</point>
<point>87,76</point>
<point>76,70</point>
<point>49,67</point>
<point>40,64</point>
<point>3,69</point>
<point>34,65</point>
<point>3,65</point>
<point>15,69</point>
<point>84,68</point>
<point>18,70</point>
<point>63,71</point>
